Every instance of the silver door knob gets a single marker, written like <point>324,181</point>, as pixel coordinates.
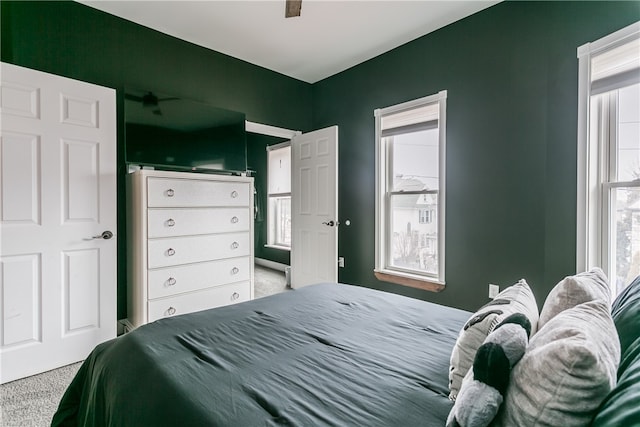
<point>329,224</point>
<point>106,235</point>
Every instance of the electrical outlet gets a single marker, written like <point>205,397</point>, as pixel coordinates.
<point>494,290</point>
<point>340,261</point>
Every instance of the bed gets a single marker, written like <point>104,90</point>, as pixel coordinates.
<point>325,355</point>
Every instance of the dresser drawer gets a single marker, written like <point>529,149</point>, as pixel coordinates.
<point>201,300</point>
<point>176,192</point>
<point>184,222</point>
<point>170,251</point>
<point>168,281</point>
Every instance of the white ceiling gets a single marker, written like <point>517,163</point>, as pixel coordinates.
<point>329,36</point>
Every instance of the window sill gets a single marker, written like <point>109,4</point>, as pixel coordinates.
<point>411,281</point>
<point>281,248</point>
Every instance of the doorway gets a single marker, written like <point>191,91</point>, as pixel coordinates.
<point>314,250</point>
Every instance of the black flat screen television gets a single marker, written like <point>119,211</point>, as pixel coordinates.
<point>173,133</point>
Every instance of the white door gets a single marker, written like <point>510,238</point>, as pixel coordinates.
<point>57,191</point>
<point>314,199</point>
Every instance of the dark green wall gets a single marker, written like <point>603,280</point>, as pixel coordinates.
<point>511,74</point>
<point>76,41</point>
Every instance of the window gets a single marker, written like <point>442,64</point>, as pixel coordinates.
<point>609,157</point>
<point>279,196</point>
<point>426,216</point>
<point>410,155</point>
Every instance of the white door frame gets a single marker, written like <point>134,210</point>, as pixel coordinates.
<point>332,273</point>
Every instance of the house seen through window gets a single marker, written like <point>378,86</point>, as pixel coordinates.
<point>410,192</point>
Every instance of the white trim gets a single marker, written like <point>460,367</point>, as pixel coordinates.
<point>279,247</point>
<point>270,264</point>
<point>270,130</point>
<point>583,203</point>
<point>589,232</point>
<point>382,159</point>
<point>411,104</point>
<point>284,144</point>
<point>610,41</point>
<point>442,173</point>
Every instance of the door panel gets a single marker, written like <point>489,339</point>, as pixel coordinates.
<point>81,183</point>
<point>314,196</point>
<point>81,288</point>
<point>20,299</point>
<point>20,162</point>
<point>57,191</point>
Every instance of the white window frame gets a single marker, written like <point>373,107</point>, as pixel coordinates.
<point>268,130</point>
<point>382,270</point>
<point>270,238</point>
<point>594,163</point>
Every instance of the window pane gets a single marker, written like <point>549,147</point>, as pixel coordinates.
<point>279,168</point>
<point>629,133</point>
<point>280,221</point>
<point>413,243</point>
<point>625,236</point>
<point>414,157</point>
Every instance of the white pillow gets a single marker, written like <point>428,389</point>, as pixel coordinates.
<point>573,290</point>
<point>517,298</point>
<point>567,370</point>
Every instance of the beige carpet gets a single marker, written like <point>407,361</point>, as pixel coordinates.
<point>32,401</point>
<point>268,282</point>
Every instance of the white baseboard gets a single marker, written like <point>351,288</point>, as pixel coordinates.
<point>270,264</point>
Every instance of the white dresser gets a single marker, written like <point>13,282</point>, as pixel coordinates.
<point>190,243</point>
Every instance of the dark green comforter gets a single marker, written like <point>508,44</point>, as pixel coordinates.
<point>325,355</point>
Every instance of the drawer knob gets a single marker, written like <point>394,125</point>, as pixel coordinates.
<point>170,222</point>
<point>171,311</point>
<point>234,194</point>
<point>170,192</point>
<point>171,281</point>
<point>235,245</point>
<point>171,252</point>
<point>235,296</point>
<point>234,220</point>
<point>235,270</point>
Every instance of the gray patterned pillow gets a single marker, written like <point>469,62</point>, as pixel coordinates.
<point>573,290</point>
<point>567,370</point>
<point>517,298</point>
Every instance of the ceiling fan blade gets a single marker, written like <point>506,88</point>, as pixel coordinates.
<point>292,8</point>
<point>132,97</point>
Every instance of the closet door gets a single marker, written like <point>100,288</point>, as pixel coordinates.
<point>57,220</point>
